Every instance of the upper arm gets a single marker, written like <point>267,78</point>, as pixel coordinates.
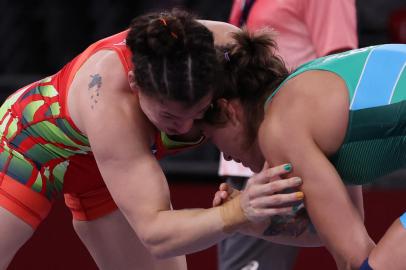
<point>120,137</point>
<point>302,135</point>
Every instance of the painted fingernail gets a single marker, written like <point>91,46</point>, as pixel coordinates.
<point>297,180</point>
<point>288,167</point>
<point>299,195</point>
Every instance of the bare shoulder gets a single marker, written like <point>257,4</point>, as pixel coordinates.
<point>310,108</point>
<point>100,84</point>
<point>106,67</point>
<point>221,30</point>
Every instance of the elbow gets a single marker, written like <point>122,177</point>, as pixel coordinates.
<point>151,236</point>
<point>158,242</point>
<point>158,251</point>
<point>158,248</point>
<point>356,257</point>
<point>350,263</point>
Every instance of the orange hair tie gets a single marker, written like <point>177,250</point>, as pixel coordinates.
<point>163,21</point>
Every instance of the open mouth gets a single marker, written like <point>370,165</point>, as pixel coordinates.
<point>171,131</point>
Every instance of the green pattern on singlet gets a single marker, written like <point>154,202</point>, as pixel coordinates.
<point>375,142</point>
<point>36,139</point>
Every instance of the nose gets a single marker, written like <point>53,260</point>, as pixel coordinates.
<point>184,127</point>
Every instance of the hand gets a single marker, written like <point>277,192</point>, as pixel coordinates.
<point>261,197</point>
<point>224,194</point>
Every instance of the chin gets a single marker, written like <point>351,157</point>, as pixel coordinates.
<point>256,169</point>
<point>169,131</point>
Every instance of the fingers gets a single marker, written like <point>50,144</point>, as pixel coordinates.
<point>263,195</point>
<point>223,194</point>
<point>271,174</point>
<point>217,199</point>
<point>277,200</point>
<point>269,212</point>
<point>225,191</point>
<point>275,186</point>
<point>229,191</point>
<point>224,187</point>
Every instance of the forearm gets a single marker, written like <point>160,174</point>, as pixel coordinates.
<point>339,224</point>
<point>307,239</point>
<point>288,230</point>
<point>175,232</point>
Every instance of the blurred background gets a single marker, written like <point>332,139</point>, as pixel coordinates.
<point>39,37</point>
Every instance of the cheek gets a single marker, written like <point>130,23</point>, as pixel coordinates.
<point>256,158</point>
<point>152,116</point>
<point>149,109</point>
<point>220,141</point>
<point>229,144</point>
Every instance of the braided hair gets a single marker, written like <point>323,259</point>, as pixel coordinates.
<point>173,56</point>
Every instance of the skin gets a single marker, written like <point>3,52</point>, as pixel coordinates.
<point>322,119</point>
<point>286,229</point>
<point>314,127</point>
<point>106,105</point>
<point>14,233</point>
<point>119,244</point>
<point>145,211</point>
<point>389,252</point>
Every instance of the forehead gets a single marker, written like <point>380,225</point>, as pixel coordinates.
<point>180,108</point>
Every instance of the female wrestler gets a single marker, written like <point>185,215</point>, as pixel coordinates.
<point>94,130</point>
<point>340,120</point>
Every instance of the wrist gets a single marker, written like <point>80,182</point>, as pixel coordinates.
<point>233,215</point>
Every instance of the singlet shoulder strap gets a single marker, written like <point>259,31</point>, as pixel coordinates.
<point>115,42</point>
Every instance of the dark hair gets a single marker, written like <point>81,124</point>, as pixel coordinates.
<point>251,72</point>
<point>173,56</point>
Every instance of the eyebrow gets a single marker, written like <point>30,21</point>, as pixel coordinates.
<point>169,114</point>
<point>175,116</point>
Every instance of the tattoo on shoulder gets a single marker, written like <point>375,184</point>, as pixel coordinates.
<point>94,89</point>
<point>290,225</point>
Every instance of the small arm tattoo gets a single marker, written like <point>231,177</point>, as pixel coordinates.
<point>94,89</point>
<point>290,225</point>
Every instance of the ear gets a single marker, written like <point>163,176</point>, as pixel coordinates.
<point>231,109</point>
<point>131,80</point>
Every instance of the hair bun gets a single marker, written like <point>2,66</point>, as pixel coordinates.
<point>165,35</point>
<point>255,48</point>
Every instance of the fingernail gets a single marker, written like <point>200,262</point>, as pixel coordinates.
<point>299,195</point>
<point>297,180</point>
<point>288,167</point>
